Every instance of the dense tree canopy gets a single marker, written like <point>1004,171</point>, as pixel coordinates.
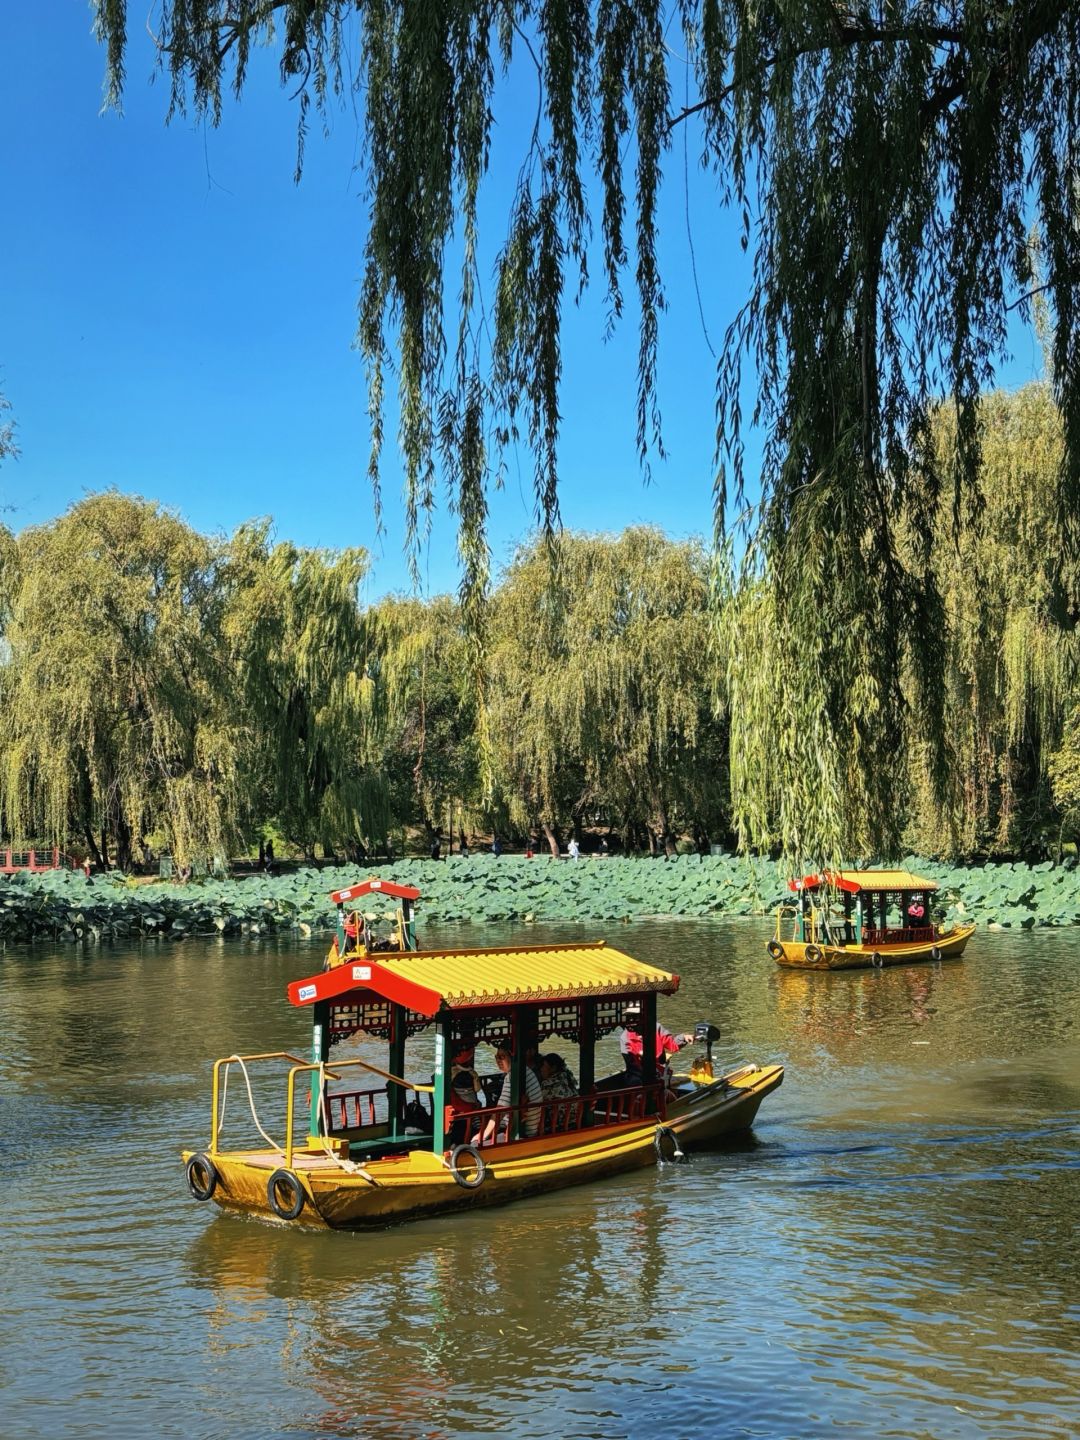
<point>115,708</point>
<point>906,173</point>
<point>163,689</point>
<point>600,688</point>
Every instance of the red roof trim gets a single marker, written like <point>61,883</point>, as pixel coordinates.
<point>359,977</point>
<point>374,887</point>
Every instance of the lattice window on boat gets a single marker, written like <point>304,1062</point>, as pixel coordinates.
<point>563,1020</point>
<point>371,1016</point>
<point>488,1026</point>
<point>610,1015</point>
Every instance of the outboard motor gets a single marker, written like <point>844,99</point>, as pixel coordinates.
<point>702,1069</point>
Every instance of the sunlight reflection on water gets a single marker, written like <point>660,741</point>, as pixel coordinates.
<point>892,1253</point>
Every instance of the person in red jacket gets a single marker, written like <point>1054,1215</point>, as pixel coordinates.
<point>631,1044</point>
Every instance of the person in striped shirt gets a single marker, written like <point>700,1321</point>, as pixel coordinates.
<point>530,1119</point>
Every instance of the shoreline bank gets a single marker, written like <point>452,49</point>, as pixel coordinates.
<point>484,888</point>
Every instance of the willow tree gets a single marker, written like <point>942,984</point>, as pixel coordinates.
<point>300,649</point>
<point>429,753</point>
<point>1004,655</point>
<point>889,162</point>
<point>600,690</point>
<point>117,730</point>
<point>1008,664</point>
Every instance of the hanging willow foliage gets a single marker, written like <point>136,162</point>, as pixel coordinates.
<point>1002,656</point>
<point>160,689</point>
<point>889,161</point>
<point>116,722</point>
<point>429,755</point>
<point>1009,663</point>
<point>600,691</point>
<point>301,652</point>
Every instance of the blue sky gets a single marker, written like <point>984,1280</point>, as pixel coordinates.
<point>176,316</point>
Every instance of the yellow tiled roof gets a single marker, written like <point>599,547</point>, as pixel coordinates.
<point>887,880</point>
<point>430,980</point>
<point>527,974</point>
<point>856,880</point>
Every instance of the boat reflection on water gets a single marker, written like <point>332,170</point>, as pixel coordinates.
<point>404,1333</point>
<point>838,1010</point>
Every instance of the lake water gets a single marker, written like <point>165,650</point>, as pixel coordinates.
<point>893,1254</point>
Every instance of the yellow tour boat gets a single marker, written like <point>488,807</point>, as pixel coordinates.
<point>368,1146</point>
<point>849,919</point>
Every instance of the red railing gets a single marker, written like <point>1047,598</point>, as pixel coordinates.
<point>36,860</point>
<point>615,1107</point>
<point>491,1125</point>
<point>350,1109</point>
<point>915,934</point>
<point>353,1109</point>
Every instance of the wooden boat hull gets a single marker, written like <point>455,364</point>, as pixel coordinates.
<point>727,1106</point>
<point>419,1183</point>
<point>796,956</point>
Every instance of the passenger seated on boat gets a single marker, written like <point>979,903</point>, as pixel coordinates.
<point>530,1120</point>
<point>557,1083</point>
<point>556,1080</point>
<point>466,1090</point>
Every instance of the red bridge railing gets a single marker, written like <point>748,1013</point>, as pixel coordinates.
<point>36,860</point>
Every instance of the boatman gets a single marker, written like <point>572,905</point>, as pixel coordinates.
<point>631,1045</point>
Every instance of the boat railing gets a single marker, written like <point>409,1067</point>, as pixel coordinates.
<point>787,912</point>
<point>224,1065</point>
<point>298,1067</point>
<point>352,1109</point>
<point>491,1125</point>
<point>909,935</point>
<point>820,926</point>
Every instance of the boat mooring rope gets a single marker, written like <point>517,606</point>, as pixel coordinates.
<point>351,1167</point>
<point>251,1102</point>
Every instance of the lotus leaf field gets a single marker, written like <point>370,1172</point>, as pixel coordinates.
<point>481,888</point>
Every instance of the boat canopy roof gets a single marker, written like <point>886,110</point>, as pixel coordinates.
<point>856,882</point>
<point>374,887</point>
<point>428,981</point>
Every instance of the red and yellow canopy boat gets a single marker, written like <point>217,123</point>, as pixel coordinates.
<point>376,1144</point>
<point>848,919</point>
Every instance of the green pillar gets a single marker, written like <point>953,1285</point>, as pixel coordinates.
<point>320,1052</point>
<point>587,1054</point>
<point>408,926</point>
<point>395,1095</point>
<point>527,1037</point>
<point>441,1098</point>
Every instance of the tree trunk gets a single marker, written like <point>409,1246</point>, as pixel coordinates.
<point>123,844</point>
<point>552,834</point>
<point>91,845</point>
<point>104,849</point>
